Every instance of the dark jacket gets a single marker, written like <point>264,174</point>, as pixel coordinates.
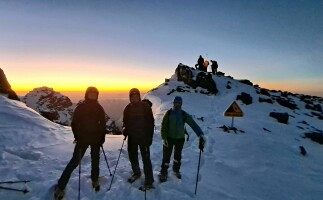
<point>200,61</point>
<point>138,123</point>
<point>88,123</point>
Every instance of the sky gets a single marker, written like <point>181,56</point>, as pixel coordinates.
<point>117,45</point>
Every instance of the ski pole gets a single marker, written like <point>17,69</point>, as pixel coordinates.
<point>145,194</point>
<point>10,182</point>
<point>105,157</point>
<point>13,189</point>
<point>198,170</point>
<point>80,158</point>
<point>115,169</point>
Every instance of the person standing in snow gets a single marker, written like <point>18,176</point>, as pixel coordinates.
<point>89,128</point>
<point>173,135</point>
<point>199,64</point>
<point>214,66</point>
<point>138,126</point>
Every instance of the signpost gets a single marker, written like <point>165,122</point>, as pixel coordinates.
<point>233,111</point>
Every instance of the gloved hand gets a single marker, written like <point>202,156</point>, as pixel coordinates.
<point>165,143</point>
<point>202,143</point>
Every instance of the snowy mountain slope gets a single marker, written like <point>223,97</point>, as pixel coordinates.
<point>256,164</point>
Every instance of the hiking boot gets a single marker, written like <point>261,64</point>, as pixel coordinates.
<point>134,177</point>
<point>96,185</point>
<point>58,193</point>
<point>146,186</point>
<point>162,177</point>
<point>178,175</point>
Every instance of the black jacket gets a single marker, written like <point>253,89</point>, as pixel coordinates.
<point>88,123</point>
<point>138,121</point>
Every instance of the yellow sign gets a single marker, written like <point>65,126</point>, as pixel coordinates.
<point>233,111</point>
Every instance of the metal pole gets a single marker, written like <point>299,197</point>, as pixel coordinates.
<point>198,170</point>
<point>232,122</point>
<point>106,160</point>
<point>80,158</point>
<point>115,169</point>
<point>13,189</point>
<point>10,182</point>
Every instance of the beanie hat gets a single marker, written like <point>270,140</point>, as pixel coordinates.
<point>91,89</point>
<point>134,91</point>
<point>178,99</point>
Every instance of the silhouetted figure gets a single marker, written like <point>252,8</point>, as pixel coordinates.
<point>214,66</point>
<point>138,126</point>
<point>89,128</point>
<point>199,64</point>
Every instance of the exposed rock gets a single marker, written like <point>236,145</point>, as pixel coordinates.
<point>184,73</point>
<point>318,115</point>
<point>281,117</point>
<point>264,92</point>
<point>245,98</point>
<point>5,87</point>
<point>220,73</point>
<point>52,105</point>
<point>265,100</point>
<point>315,136</point>
<point>303,151</point>
<point>206,81</point>
<point>315,107</point>
<point>286,103</point>
<point>247,82</point>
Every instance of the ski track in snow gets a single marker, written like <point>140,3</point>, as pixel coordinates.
<point>257,164</point>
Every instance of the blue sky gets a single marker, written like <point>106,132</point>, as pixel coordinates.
<point>277,44</point>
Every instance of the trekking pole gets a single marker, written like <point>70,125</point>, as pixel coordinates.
<point>105,157</point>
<point>198,170</point>
<point>115,169</point>
<point>13,189</point>
<point>80,157</point>
<point>10,182</point>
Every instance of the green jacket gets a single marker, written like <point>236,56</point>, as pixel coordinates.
<point>173,124</point>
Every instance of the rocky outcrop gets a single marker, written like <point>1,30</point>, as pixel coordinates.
<point>281,117</point>
<point>247,82</point>
<point>245,98</point>
<point>50,104</point>
<point>5,87</point>
<point>204,80</point>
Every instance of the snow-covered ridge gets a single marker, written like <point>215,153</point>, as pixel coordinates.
<point>261,161</point>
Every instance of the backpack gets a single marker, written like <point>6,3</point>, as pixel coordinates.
<point>183,115</point>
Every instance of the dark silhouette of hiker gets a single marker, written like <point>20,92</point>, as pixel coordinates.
<point>89,128</point>
<point>138,125</point>
<point>199,64</point>
<point>214,66</point>
<point>173,135</point>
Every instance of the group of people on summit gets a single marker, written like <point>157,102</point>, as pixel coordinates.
<point>203,64</point>
<point>88,126</point>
